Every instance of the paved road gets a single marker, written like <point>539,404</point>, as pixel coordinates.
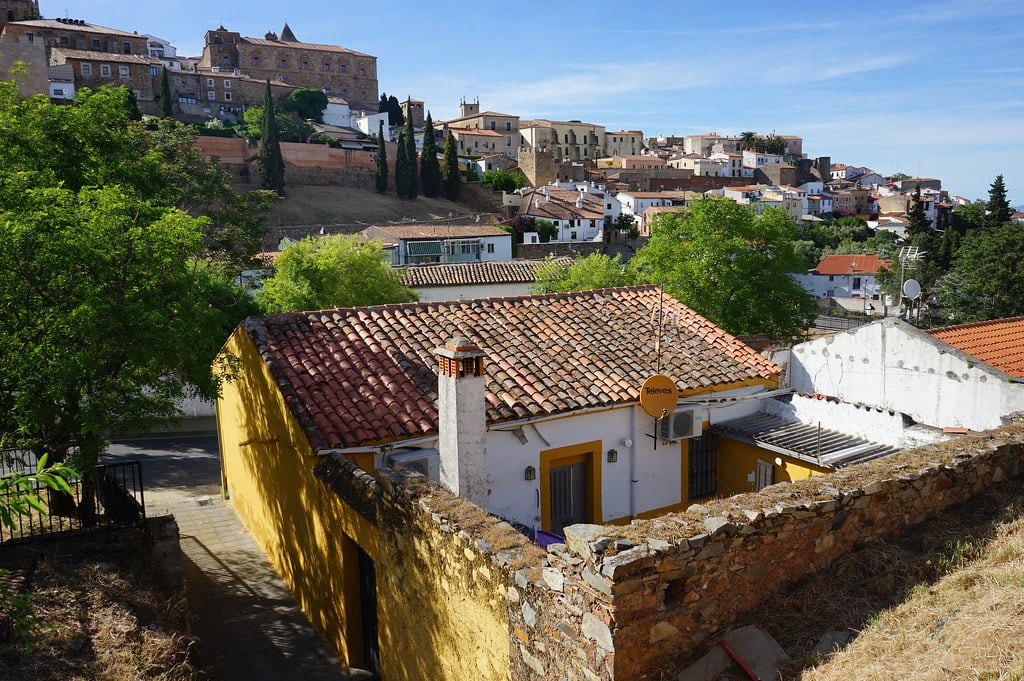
<point>249,625</point>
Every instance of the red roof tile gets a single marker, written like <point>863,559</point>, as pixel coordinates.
<point>368,375</point>
<point>850,264</point>
<point>999,342</point>
<point>469,273</point>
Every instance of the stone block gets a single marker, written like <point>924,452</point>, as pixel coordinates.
<point>711,550</point>
<point>597,631</point>
<point>579,537</point>
<point>554,578</point>
<point>715,525</point>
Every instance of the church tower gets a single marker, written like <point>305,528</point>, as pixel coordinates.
<point>18,10</point>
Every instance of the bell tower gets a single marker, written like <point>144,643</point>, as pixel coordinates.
<point>18,10</point>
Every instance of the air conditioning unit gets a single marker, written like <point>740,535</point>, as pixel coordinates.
<point>426,462</point>
<point>683,423</point>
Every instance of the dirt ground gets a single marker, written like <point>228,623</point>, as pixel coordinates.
<point>315,205</point>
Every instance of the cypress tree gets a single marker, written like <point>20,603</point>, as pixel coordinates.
<point>917,220</point>
<point>430,169</point>
<point>997,208</point>
<point>166,111</point>
<point>383,105</point>
<point>134,112</point>
<point>382,162</point>
<point>410,155</point>
<point>402,168</point>
<point>395,117</point>
<point>269,159</point>
<point>450,171</point>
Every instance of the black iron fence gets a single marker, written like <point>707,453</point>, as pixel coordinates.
<point>831,323</point>
<point>109,496</point>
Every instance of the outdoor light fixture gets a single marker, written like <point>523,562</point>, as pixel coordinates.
<point>531,473</point>
<point>613,456</point>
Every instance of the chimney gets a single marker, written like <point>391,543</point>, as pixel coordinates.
<point>463,419</point>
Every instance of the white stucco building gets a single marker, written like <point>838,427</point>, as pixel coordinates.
<point>967,376</point>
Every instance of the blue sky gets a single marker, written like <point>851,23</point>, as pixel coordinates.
<point>934,89</point>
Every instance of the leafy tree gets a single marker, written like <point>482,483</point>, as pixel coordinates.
<point>430,169</point>
<point>269,159</point>
<point>748,140</point>
<point>382,162</point>
<point>18,496</point>
<point>899,177</point>
<point>395,115</point>
<point>166,105</point>
<point>968,217</point>
<point>917,219</point>
<point>997,209</point>
<point>545,229</point>
<point>450,170</point>
<point>986,280</point>
<point>134,113</point>
<point>110,308</point>
<point>412,175</point>
<point>502,180</point>
<point>308,103</point>
<point>340,270</point>
<point>625,223</point>
<point>597,270</point>
<point>730,265</point>
<point>290,128</point>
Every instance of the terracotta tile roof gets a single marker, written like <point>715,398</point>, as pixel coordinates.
<point>84,27</point>
<point>470,273</point>
<point>999,342</point>
<point>300,45</point>
<point>113,57</point>
<point>560,204</point>
<point>368,375</point>
<point>405,232</point>
<point>850,264</point>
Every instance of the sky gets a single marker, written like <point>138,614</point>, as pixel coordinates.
<point>931,89</point>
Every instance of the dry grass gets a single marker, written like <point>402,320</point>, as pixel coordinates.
<point>315,205</point>
<point>108,617</point>
<point>943,602</point>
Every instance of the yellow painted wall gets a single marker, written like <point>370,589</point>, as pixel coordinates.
<point>442,606</point>
<point>737,460</point>
<point>301,526</point>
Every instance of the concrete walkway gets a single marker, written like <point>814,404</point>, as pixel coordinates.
<point>249,625</point>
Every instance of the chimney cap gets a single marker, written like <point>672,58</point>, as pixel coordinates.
<point>459,347</point>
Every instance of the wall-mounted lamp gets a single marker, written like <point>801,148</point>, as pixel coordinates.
<point>531,473</point>
<point>613,456</point>
<point>778,461</point>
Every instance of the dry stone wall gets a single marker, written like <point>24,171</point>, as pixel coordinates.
<point>625,602</point>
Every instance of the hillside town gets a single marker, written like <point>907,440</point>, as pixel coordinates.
<point>593,423</point>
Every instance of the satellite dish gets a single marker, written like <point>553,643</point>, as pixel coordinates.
<point>911,288</point>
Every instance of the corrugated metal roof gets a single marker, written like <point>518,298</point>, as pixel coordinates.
<point>803,440</point>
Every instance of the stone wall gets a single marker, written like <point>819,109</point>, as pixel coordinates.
<point>558,249</point>
<point>623,602</point>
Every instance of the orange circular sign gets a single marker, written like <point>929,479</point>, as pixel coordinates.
<point>658,396</point>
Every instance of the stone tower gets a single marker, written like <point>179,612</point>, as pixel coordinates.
<point>538,166</point>
<point>18,10</point>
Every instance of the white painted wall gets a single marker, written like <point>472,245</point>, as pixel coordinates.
<point>434,293</point>
<point>340,115</point>
<point>891,365</point>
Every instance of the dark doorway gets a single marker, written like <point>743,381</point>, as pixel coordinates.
<point>568,495</point>
<point>703,467</point>
<point>368,611</point>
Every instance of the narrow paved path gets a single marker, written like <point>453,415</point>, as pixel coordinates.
<point>249,624</point>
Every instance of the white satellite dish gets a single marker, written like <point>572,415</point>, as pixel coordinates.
<point>911,288</point>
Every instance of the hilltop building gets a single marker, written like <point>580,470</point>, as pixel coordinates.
<point>336,70</point>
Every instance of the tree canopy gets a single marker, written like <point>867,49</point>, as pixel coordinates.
<point>502,180</point>
<point>986,280</point>
<point>730,265</point>
<point>308,103</point>
<point>597,270</point>
<point>339,270</point>
<point>381,174</point>
<point>111,306</point>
